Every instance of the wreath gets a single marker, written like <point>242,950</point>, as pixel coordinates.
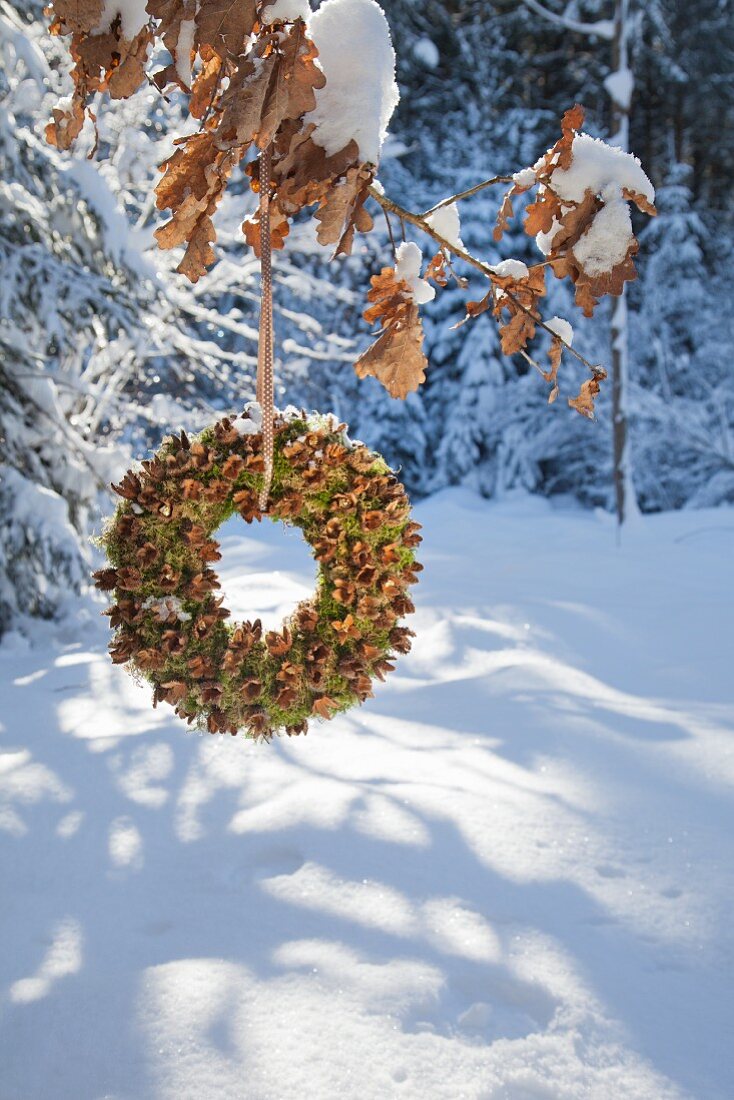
<point>170,626</point>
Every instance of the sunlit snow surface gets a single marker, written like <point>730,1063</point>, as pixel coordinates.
<point>507,877</point>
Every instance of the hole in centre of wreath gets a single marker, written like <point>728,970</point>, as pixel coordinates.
<point>266,569</point>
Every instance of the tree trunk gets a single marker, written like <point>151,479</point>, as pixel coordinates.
<point>624,494</point>
<point>620,90</point>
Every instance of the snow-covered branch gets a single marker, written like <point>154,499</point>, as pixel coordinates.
<point>602,28</point>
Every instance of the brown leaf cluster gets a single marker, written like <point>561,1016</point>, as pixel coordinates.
<point>104,62</point>
<point>569,221</point>
<point>253,85</point>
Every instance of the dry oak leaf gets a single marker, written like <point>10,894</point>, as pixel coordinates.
<point>390,297</point>
<point>78,15</point>
<point>571,123</point>
<point>206,83</point>
<point>504,216</point>
<point>611,282</point>
<point>243,103</point>
<point>187,173</point>
<point>541,215</point>
<point>642,204</point>
<point>128,74</point>
<point>192,185</point>
<point>199,254</point>
<point>302,171</point>
<point>275,83</point>
<point>279,230</point>
<point>516,333</point>
<point>436,269</point>
<point>396,358</point>
<point>225,25</point>
<point>573,223</point>
<point>294,82</point>
<point>66,125</point>
<point>554,355</point>
<point>342,210</point>
<point>584,400</point>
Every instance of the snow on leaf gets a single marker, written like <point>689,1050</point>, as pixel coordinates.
<point>581,218</point>
<point>447,223</point>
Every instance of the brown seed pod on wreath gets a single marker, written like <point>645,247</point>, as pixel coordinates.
<point>170,625</point>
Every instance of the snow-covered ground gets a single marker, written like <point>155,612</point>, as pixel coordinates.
<point>508,877</point>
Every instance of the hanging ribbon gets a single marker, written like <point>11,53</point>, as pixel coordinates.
<point>265,383</point>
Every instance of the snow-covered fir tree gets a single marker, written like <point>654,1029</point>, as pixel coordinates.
<point>685,397</point>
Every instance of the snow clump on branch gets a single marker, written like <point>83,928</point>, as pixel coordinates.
<point>358,60</point>
<point>446,222</point>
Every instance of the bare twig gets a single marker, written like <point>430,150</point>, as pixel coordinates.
<point>390,233</point>
<point>529,359</point>
<point>468,193</point>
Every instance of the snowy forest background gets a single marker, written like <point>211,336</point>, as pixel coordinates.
<point>103,349</point>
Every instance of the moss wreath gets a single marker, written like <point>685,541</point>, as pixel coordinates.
<point>170,626</point>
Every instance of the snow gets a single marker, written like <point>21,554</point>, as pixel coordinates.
<point>620,86</point>
<point>250,422</point>
<point>166,609</point>
<point>506,876</point>
<point>544,241</point>
<point>361,93</point>
<point>447,223</point>
<point>562,328</point>
<point>594,166</point>
<point>426,51</point>
<point>510,269</point>
<point>607,240</point>
<point>133,16</point>
<point>525,178</point>
<point>124,244</point>
<point>408,263</point>
<point>184,48</point>
<point>39,513</point>
<point>286,11</point>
